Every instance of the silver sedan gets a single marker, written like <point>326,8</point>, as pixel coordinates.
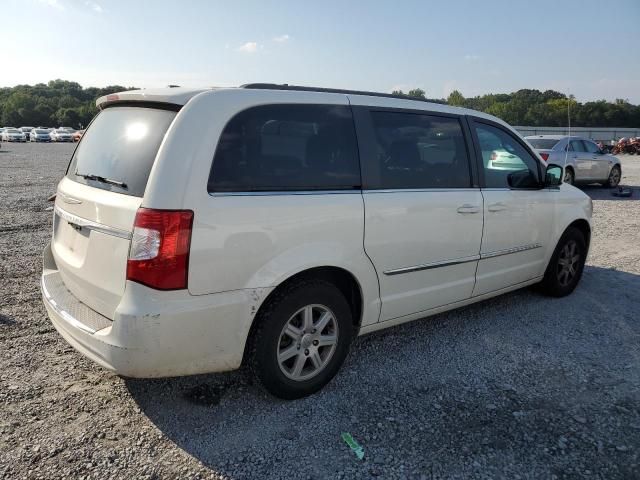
<point>582,159</point>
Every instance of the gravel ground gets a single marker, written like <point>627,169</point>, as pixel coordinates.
<point>521,386</point>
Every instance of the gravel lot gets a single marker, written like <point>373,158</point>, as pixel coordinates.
<point>521,386</point>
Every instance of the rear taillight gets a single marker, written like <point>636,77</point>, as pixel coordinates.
<point>545,156</point>
<point>159,254</point>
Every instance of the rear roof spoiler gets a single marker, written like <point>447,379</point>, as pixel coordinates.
<point>153,97</point>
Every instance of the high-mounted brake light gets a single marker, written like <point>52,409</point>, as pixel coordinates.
<point>112,98</point>
<point>159,254</point>
<point>545,156</point>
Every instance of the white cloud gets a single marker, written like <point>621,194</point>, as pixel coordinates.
<point>94,6</point>
<point>249,47</point>
<point>282,38</point>
<point>472,58</point>
<point>52,3</point>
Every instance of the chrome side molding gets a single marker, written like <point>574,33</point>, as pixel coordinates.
<point>428,266</point>
<point>509,251</point>
<point>457,261</point>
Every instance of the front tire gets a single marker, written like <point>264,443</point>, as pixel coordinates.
<point>302,337</point>
<point>614,177</point>
<point>566,265</point>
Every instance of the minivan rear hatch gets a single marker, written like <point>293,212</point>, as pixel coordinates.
<point>97,201</point>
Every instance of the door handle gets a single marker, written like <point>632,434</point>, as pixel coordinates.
<point>466,208</point>
<point>497,207</point>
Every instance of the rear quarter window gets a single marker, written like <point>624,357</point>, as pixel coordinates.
<point>287,148</point>
<point>120,145</point>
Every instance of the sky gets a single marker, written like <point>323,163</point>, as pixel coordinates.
<point>587,48</point>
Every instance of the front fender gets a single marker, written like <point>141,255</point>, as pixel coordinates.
<point>571,205</point>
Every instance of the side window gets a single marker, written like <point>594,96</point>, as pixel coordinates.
<point>591,147</point>
<point>287,147</point>
<point>419,151</point>
<point>576,146</point>
<point>504,156</point>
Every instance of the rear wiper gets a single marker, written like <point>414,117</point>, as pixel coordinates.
<point>98,178</point>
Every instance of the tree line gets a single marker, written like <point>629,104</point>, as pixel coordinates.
<point>54,104</point>
<point>543,109</point>
<point>61,102</point>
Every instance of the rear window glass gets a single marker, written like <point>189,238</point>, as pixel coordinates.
<point>576,146</point>
<point>419,151</point>
<point>591,147</point>
<point>542,143</point>
<point>120,147</point>
<point>287,147</point>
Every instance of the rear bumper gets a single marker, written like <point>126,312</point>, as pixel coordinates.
<point>155,334</point>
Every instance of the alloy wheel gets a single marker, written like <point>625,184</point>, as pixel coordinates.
<point>307,342</point>
<point>568,263</point>
<point>614,177</point>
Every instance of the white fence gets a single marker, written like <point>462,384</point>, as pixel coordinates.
<point>594,133</point>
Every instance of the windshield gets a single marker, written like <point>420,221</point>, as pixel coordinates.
<point>13,130</point>
<point>42,131</point>
<point>121,145</point>
<point>543,143</point>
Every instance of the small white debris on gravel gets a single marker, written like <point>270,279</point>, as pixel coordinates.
<point>521,386</point>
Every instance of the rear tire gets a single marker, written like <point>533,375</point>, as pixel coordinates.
<point>301,339</point>
<point>566,265</point>
<point>569,176</point>
<point>614,177</point>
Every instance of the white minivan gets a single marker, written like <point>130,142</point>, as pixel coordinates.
<point>199,230</point>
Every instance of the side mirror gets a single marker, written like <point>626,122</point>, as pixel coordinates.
<point>553,175</point>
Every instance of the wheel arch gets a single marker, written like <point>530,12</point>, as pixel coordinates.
<point>343,279</point>
<point>584,227</point>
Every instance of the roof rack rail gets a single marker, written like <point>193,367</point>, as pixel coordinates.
<point>300,88</point>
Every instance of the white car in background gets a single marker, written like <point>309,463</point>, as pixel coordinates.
<point>11,134</point>
<point>582,159</point>
<point>59,135</point>
<point>39,135</point>
<point>197,230</point>
<point>26,131</point>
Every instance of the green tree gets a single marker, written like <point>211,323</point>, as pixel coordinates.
<point>456,99</point>
<point>417,93</point>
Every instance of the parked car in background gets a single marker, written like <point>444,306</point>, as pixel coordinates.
<point>585,161</point>
<point>67,129</point>
<point>39,135</point>
<point>58,135</point>
<point>11,134</point>
<point>77,135</point>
